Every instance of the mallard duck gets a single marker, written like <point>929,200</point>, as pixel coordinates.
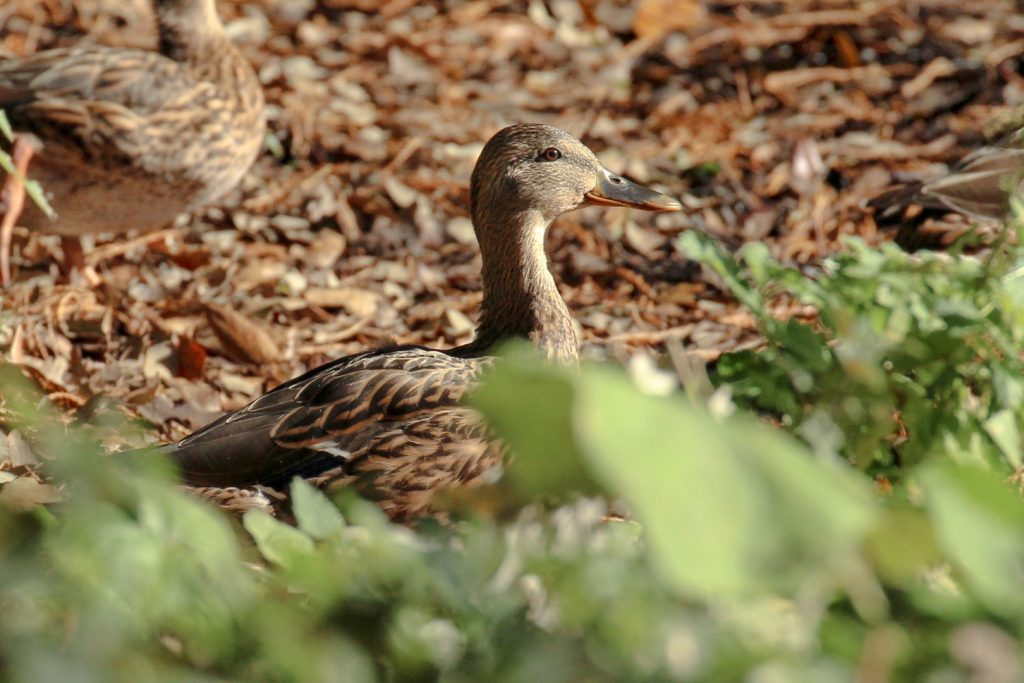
<point>389,421</point>
<point>979,185</point>
<point>127,139</point>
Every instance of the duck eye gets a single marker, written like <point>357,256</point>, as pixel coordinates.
<point>551,154</point>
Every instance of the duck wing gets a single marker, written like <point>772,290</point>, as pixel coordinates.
<point>137,79</point>
<point>388,417</point>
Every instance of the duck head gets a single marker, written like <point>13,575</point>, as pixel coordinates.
<point>541,169</point>
<point>527,176</point>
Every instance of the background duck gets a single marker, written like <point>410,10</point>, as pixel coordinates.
<point>978,186</point>
<point>125,139</point>
<point>389,420</point>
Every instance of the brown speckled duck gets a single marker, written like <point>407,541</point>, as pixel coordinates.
<point>389,421</point>
<point>979,185</point>
<point>126,139</point>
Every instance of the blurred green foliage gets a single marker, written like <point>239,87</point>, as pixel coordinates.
<point>750,552</point>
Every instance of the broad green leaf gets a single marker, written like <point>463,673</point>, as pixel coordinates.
<point>979,523</point>
<point>757,259</point>
<point>528,405</point>
<point>198,529</point>
<point>728,507</point>
<point>278,542</point>
<point>315,513</point>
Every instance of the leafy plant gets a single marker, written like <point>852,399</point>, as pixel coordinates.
<point>912,356</point>
<point>749,552</point>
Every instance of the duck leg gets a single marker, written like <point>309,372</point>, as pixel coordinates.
<point>13,197</point>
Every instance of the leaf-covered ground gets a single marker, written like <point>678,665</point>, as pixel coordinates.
<point>773,121</point>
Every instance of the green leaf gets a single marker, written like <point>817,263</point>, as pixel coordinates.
<point>704,249</point>
<point>528,404</point>
<point>979,523</point>
<point>1002,427</point>
<point>758,260</point>
<point>274,146</point>
<point>902,545</point>
<point>314,512</point>
<point>5,127</point>
<point>35,192</point>
<point>278,542</point>
<point>728,507</point>
<point>32,188</point>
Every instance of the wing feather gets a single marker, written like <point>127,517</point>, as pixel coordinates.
<point>389,417</point>
<point>138,80</point>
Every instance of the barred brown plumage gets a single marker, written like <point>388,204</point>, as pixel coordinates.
<point>390,421</point>
<point>127,139</point>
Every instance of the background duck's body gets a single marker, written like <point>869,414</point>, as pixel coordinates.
<point>978,186</point>
<point>982,183</point>
<point>389,421</point>
<point>127,139</point>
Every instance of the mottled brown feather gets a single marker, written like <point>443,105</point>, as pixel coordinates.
<point>131,138</point>
<point>394,413</point>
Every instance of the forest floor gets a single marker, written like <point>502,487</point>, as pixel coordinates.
<point>772,121</point>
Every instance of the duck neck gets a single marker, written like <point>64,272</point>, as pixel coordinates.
<point>190,31</point>
<point>521,299</point>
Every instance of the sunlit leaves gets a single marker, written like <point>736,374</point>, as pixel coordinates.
<point>748,551</point>
<point>728,507</point>
<point>315,515</point>
<point>913,356</point>
<point>979,522</point>
<point>277,541</point>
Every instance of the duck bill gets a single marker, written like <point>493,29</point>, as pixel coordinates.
<point>614,190</point>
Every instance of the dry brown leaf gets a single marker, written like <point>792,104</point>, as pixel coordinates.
<point>359,302</point>
<point>655,18</point>
<point>681,293</point>
<point>647,241</point>
<point>25,493</point>
<point>458,322</point>
<point>191,358</point>
<point>16,451</point>
<point>244,340</point>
